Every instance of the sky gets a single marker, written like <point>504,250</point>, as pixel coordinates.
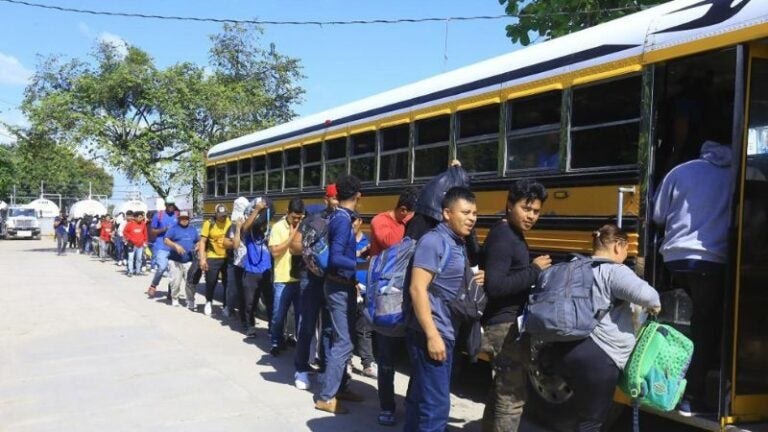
<point>341,63</point>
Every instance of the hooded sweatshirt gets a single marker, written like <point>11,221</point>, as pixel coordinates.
<point>693,204</point>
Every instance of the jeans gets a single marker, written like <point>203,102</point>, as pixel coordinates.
<point>592,376</point>
<point>286,295</point>
<point>216,266</point>
<point>72,241</point>
<point>103,249</point>
<point>134,259</point>
<point>340,301</point>
<point>178,272</point>
<point>61,243</point>
<point>428,400</point>
<point>234,287</point>
<point>160,258</point>
<point>385,358</point>
<point>119,248</point>
<point>363,336</point>
<point>311,303</point>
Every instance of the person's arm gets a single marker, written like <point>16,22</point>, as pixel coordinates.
<point>232,241</point>
<point>157,229</point>
<point>502,249</point>
<point>168,240</point>
<point>201,245</point>
<point>145,238</point>
<point>252,217</point>
<point>626,285</point>
<point>295,247</point>
<point>339,229</point>
<point>420,280</point>
<point>280,246</point>
<point>383,233</point>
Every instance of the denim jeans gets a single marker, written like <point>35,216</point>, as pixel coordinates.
<point>286,295</point>
<point>428,400</point>
<point>363,336</point>
<point>119,248</point>
<point>160,258</point>
<point>61,243</point>
<point>134,260</point>
<point>341,302</point>
<point>311,303</point>
<point>103,249</point>
<point>385,358</point>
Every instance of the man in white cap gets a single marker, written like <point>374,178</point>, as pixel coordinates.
<point>181,239</point>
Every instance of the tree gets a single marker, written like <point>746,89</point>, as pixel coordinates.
<point>552,18</point>
<point>7,169</point>
<point>157,124</point>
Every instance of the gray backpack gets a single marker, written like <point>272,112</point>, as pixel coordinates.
<point>561,306</point>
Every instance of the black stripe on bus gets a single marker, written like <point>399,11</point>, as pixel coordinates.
<point>534,69</point>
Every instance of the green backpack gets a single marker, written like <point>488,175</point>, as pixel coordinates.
<point>655,373</point>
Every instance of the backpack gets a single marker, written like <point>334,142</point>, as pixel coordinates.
<point>654,376</point>
<point>315,244</point>
<point>561,306</point>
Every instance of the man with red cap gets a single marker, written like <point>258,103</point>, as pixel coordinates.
<point>311,297</point>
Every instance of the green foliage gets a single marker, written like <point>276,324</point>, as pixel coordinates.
<point>552,18</point>
<point>157,124</point>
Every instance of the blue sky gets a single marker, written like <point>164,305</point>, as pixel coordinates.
<point>341,63</point>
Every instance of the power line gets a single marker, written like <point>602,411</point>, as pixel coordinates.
<point>298,23</point>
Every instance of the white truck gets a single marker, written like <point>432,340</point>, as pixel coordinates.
<point>19,222</point>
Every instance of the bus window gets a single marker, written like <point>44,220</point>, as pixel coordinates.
<point>210,181</point>
<point>292,168</point>
<point>245,176</point>
<point>313,170</point>
<point>335,159</point>
<point>275,171</point>
<point>363,156</point>
<point>477,146</point>
<point>231,178</point>
<point>221,180</point>
<point>259,174</point>
<point>394,153</point>
<point>431,146</point>
<point>605,124</point>
<point>533,135</point>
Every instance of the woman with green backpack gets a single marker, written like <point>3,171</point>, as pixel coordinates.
<point>592,366</point>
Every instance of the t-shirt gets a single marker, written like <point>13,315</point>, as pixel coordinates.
<point>282,264</point>
<point>257,259</point>
<point>159,221</point>
<point>235,255</point>
<point>445,284</point>
<point>186,237</point>
<point>386,231</point>
<point>62,227</point>
<point>106,230</point>
<point>215,232</point>
<point>362,275</point>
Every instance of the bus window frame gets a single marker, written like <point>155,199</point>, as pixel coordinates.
<point>532,131</point>
<point>269,170</point>
<point>305,165</point>
<point>235,175</point>
<point>374,155</point>
<point>432,145</point>
<point>407,150</point>
<point>241,174</point>
<point>220,184</point>
<point>286,167</point>
<point>262,172</point>
<point>478,139</point>
<point>327,161</point>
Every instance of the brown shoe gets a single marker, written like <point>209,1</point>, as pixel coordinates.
<point>349,396</point>
<point>332,406</point>
<point>151,291</point>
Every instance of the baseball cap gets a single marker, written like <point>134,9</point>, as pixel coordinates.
<point>184,214</point>
<point>169,200</point>
<point>221,210</point>
<point>330,190</point>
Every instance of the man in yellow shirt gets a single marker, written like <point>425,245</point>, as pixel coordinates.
<point>213,255</point>
<point>286,287</point>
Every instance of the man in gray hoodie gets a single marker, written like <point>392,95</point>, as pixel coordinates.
<point>693,205</point>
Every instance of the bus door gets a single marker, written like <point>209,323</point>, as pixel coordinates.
<point>749,375</point>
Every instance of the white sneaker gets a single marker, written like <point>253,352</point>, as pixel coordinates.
<point>175,303</point>
<point>208,309</point>
<point>301,380</point>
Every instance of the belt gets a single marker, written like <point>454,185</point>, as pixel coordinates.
<point>340,280</point>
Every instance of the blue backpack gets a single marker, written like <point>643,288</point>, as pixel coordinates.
<point>387,281</point>
<point>561,306</point>
<point>314,241</point>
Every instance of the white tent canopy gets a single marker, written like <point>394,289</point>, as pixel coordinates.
<point>45,208</point>
<point>133,205</point>
<point>87,207</point>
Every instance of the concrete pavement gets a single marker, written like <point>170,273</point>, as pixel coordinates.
<point>83,349</point>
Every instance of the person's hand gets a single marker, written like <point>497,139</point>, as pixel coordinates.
<point>543,262</point>
<point>436,348</point>
<point>479,277</point>
<point>239,223</point>
<point>654,310</point>
<point>204,265</point>
<point>455,163</point>
<point>219,242</point>
<point>180,250</point>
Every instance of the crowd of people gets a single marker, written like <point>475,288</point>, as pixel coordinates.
<point>257,254</point>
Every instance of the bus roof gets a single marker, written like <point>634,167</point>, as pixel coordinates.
<point>670,30</point>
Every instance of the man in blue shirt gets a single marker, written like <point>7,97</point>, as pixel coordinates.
<point>161,223</point>
<point>340,296</point>
<point>181,240</point>
<point>60,225</point>
<point>431,336</point>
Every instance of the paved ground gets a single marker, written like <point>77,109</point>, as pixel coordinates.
<point>83,349</point>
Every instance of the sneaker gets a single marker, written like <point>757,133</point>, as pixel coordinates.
<point>350,369</point>
<point>349,396</point>
<point>251,332</point>
<point>208,309</point>
<point>225,311</point>
<point>175,303</point>
<point>386,418</point>
<point>274,351</point>
<point>371,371</point>
<point>301,380</point>
<point>129,274</point>
<point>332,406</point>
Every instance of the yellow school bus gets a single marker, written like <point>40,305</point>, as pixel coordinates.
<point>598,117</point>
